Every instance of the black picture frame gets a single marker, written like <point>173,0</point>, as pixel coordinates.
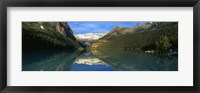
<point>101,3</point>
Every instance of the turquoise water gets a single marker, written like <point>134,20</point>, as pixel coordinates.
<point>47,60</point>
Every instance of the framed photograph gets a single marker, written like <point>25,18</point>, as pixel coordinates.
<point>100,46</point>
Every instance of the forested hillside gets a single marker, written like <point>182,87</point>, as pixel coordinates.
<point>48,35</point>
<point>157,36</point>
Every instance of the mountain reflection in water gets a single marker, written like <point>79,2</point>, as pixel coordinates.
<point>88,62</point>
<point>77,61</point>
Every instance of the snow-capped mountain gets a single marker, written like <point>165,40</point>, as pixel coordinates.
<point>88,38</point>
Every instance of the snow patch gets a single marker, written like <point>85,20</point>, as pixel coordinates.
<point>41,27</point>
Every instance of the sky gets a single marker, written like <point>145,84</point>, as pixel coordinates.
<point>98,27</point>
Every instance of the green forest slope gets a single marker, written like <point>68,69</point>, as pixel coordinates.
<point>48,35</point>
<point>157,36</point>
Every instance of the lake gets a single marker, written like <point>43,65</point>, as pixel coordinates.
<point>49,60</point>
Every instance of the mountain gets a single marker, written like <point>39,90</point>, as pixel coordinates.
<point>159,36</point>
<point>48,35</point>
<point>136,26</point>
<point>88,38</point>
<point>120,31</point>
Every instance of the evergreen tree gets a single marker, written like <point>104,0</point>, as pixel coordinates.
<point>163,44</point>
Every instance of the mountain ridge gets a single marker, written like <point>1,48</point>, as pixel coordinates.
<point>118,30</point>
